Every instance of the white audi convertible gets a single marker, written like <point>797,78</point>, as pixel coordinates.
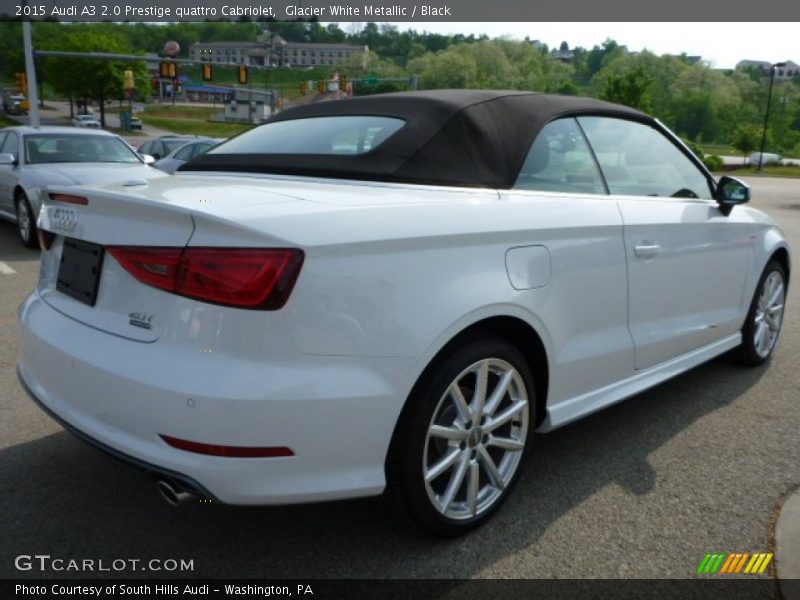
<point>391,294</point>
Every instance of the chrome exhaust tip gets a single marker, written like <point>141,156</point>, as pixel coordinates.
<point>172,495</point>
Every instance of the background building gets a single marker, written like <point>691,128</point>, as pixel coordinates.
<point>789,71</point>
<point>284,54</point>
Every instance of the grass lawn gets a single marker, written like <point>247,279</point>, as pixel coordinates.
<point>719,149</point>
<point>7,121</point>
<point>194,126</point>
<point>791,171</point>
<point>167,111</point>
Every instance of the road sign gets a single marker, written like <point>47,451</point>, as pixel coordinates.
<point>171,48</point>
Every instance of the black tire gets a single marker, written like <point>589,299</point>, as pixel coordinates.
<point>749,353</point>
<point>28,235</point>
<point>415,449</point>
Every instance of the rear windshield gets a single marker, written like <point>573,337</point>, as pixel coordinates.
<point>314,135</point>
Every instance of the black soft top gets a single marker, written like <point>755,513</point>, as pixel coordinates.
<point>451,137</point>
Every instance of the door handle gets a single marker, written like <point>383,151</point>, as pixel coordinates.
<point>647,251</point>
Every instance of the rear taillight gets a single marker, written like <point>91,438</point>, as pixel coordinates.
<point>241,277</point>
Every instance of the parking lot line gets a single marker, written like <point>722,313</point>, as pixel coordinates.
<point>5,269</point>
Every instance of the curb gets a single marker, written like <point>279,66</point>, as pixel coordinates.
<point>787,547</point>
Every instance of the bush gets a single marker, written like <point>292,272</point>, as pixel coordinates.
<point>713,162</point>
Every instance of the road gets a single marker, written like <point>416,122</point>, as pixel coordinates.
<point>57,113</point>
<point>643,489</point>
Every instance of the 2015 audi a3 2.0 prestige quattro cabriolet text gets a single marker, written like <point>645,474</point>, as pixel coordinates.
<point>391,294</point>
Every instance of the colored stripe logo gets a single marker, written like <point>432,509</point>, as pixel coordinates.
<point>735,563</point>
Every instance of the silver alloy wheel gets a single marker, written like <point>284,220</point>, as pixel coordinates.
<point>23,220</point>
<point>473,448</point>
<point>769,314</point>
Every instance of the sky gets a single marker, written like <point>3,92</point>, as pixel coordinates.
<point>722,44</point>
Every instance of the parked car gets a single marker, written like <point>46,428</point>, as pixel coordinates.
<point>14,104</point>
<point>32,158</point>
<point>136,123</point>
<point>162,146</point>
<point>171,162</point>
<point>391,294</point>
<point>768,158</point>
<point>88,121</point>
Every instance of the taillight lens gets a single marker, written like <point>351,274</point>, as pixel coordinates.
<point>241,277</point>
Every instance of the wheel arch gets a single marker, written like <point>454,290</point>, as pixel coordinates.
<point>781,255</point>
<point>513,329</point>
<point>17,189</point>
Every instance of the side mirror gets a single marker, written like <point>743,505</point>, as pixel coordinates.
<point>730,192</point>
<point>148,159</point>
<point>8,159</point>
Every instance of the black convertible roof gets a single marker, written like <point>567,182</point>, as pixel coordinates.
<point>451,137</point>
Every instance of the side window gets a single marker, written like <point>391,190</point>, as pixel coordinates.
<point>184,153</point>
<point>2,137</point>
<point>560,161</point>
<point>638,160</point>
<point>145,148</point>
<point>200,149</point>
<point>11,145</point>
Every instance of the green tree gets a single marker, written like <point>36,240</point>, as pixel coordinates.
<point>631,89</point>
<point>91,79</point>
<point>745,139</point>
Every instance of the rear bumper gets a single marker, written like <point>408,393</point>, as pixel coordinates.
<point>336,413</point>
<point>178,479</point>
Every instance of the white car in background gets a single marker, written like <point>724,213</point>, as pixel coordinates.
<point>767,158</point>
<point>391,294</point>
<point>87,121</point>
<point>32,158</point>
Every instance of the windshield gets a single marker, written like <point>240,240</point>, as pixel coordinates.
<point>62,148</point>
<point>314,135</point>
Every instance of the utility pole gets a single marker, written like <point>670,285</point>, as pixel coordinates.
<point>766,112</point>
<point>30,72</point>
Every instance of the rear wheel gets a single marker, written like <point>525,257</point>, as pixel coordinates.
<point>457,451</point>
<point>26,221</point>
<point>763,324</point>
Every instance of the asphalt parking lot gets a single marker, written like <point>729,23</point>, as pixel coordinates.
<point>644,489</point>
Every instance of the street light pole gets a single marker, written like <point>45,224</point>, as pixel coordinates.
<point>766,112</point>
<point>30,73</point>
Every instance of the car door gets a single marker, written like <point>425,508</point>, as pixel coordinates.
<point>687,261</point>
<point>570,271</point>
<point>8,173</point>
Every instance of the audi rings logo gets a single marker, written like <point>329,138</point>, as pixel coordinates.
<point>65,219</point>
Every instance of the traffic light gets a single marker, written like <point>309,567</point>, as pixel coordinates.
<point>154,85</point>
<point>168,70</point>
<point>127,80</point>
<point>208,72</point>
<point>303,88</point>
<point>22,83</point>
<point>321,86</point>
<point>242,75</point>
<point>343,83</point>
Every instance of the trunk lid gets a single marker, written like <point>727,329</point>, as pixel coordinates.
<point>146,214</point>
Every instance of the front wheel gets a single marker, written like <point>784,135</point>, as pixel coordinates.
<point>458,448</point>
<point>26,221</point>
<point>764,320</point>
